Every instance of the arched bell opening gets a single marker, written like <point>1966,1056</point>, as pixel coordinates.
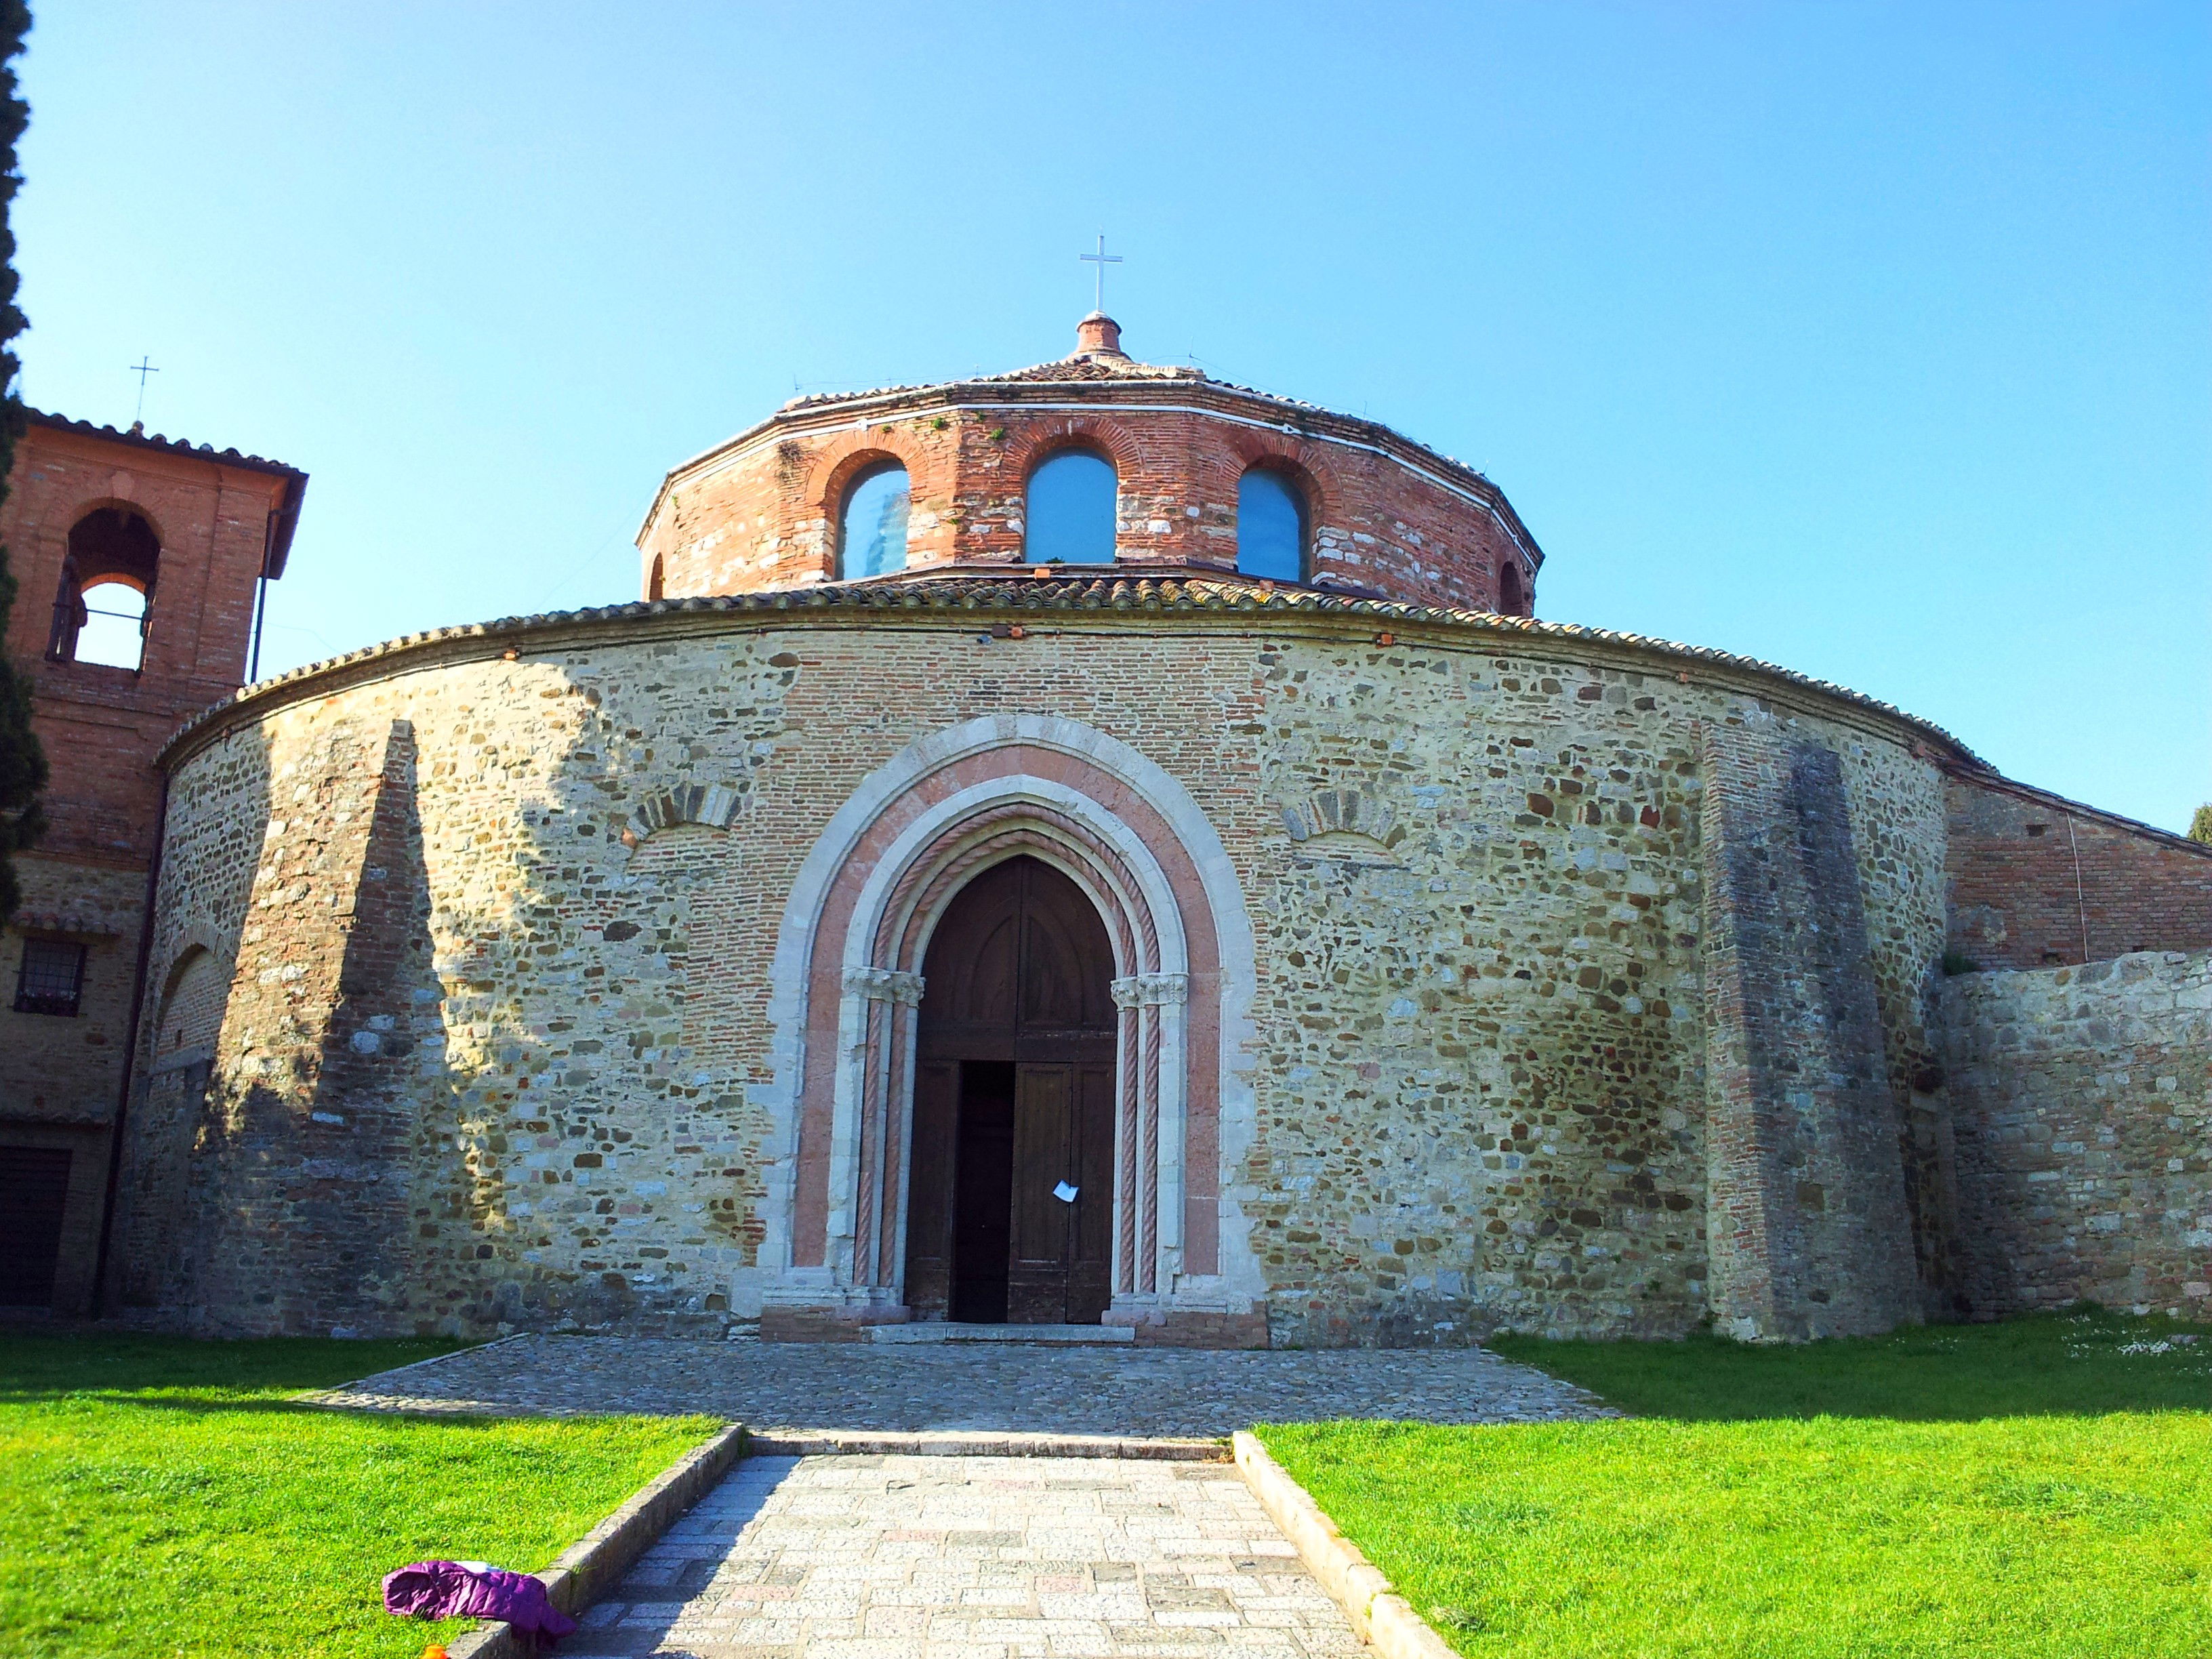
<point>1010,1204</point>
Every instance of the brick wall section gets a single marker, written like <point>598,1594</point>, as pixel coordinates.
<point>1477,1068</point>
<point>101,728</point>
<point>2083,1098</point>
<point>297,1205</point>
<point>762,513</point>
<point>2036,881</point>
<point>1809,1234</point>
<point>59,1074</point>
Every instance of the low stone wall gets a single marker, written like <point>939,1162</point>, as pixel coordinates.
<point>2082,1104</point>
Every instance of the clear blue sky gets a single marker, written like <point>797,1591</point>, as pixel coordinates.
<point>1873,340</point>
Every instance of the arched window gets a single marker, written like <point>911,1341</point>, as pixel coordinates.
<point>1069,516</point>
<point>655,587</point>
<point>872,528</point>
<point>1513,589</point>
<point>106,597</point>
<point>1271,525</point>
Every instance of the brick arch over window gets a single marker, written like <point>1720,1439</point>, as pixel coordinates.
<point>1307,466</point>
<point>843,459</point>
<point>194,994</point>
<point>1108,439</point>
<point>857,929</point>
<point>846,458</point>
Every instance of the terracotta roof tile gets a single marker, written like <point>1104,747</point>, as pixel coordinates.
<point>139,438</point>
<point>987,590</point>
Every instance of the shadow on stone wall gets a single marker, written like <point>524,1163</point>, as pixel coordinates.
<point>169,1197</point>
<point>299,1172</point>
<point>481,1066</point>
<point>1810,1228</point>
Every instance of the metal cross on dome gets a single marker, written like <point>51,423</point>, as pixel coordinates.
<point>1102,259</point>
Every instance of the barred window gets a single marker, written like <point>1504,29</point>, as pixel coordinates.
<point>52,976</point>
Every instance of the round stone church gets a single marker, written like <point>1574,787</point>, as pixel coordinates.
<point>1087,846</point>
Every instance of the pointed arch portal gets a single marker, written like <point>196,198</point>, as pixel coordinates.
<point>1003,984</point>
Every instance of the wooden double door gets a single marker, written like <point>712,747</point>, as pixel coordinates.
<point>1011,1198</point>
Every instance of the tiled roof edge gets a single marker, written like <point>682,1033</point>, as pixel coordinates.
<point>166,446</point>
<point>1119,595</point>
<point>1999,783</point>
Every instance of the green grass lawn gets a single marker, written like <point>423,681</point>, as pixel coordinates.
<point>160,1497</point>
<point>2023,1490</point>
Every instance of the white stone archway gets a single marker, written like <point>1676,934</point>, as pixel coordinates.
<point>848,987</point>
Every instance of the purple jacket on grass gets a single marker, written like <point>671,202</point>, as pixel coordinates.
<point>476,1590</point>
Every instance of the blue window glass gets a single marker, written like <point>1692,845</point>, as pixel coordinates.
<point>1070,512</point>
<point>871,535</point>
<point>1271,526</point>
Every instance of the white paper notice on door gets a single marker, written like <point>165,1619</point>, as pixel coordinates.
<point>1064,1193</point>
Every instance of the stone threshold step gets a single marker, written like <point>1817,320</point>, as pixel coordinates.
<point>978,1443</point>
<point>944,1330</point>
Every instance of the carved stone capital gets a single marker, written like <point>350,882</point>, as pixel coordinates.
<point>885,985</point>
<point>1151,990</point>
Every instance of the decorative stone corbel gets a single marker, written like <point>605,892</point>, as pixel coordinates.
<point>1151,991</point>
<point>885,985</point>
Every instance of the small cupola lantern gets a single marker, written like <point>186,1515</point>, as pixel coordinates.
<point>1098,336</point>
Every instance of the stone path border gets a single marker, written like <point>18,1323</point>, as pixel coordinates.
<point>985,1444</point>
<point>600,1560</point>
<point>1384,1617</point>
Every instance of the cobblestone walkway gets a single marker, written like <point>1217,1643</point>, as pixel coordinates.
<point>777,1386</point>
<point>986,1558</point>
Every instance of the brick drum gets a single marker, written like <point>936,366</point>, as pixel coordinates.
<point>1386,514</point>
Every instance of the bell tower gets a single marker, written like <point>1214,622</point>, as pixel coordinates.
<point>141,563</point>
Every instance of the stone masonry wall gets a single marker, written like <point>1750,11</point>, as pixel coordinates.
<point>1471,859</point>
<point>2083,1097</point>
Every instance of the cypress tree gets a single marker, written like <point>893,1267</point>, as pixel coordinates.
<point>22,762</point>
<point>2200,826</point>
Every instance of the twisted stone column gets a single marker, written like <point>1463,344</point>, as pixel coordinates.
<point>883,1031</point>
<point>1151,1108</point>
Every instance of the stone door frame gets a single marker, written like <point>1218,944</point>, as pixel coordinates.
<point>848,987</point>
